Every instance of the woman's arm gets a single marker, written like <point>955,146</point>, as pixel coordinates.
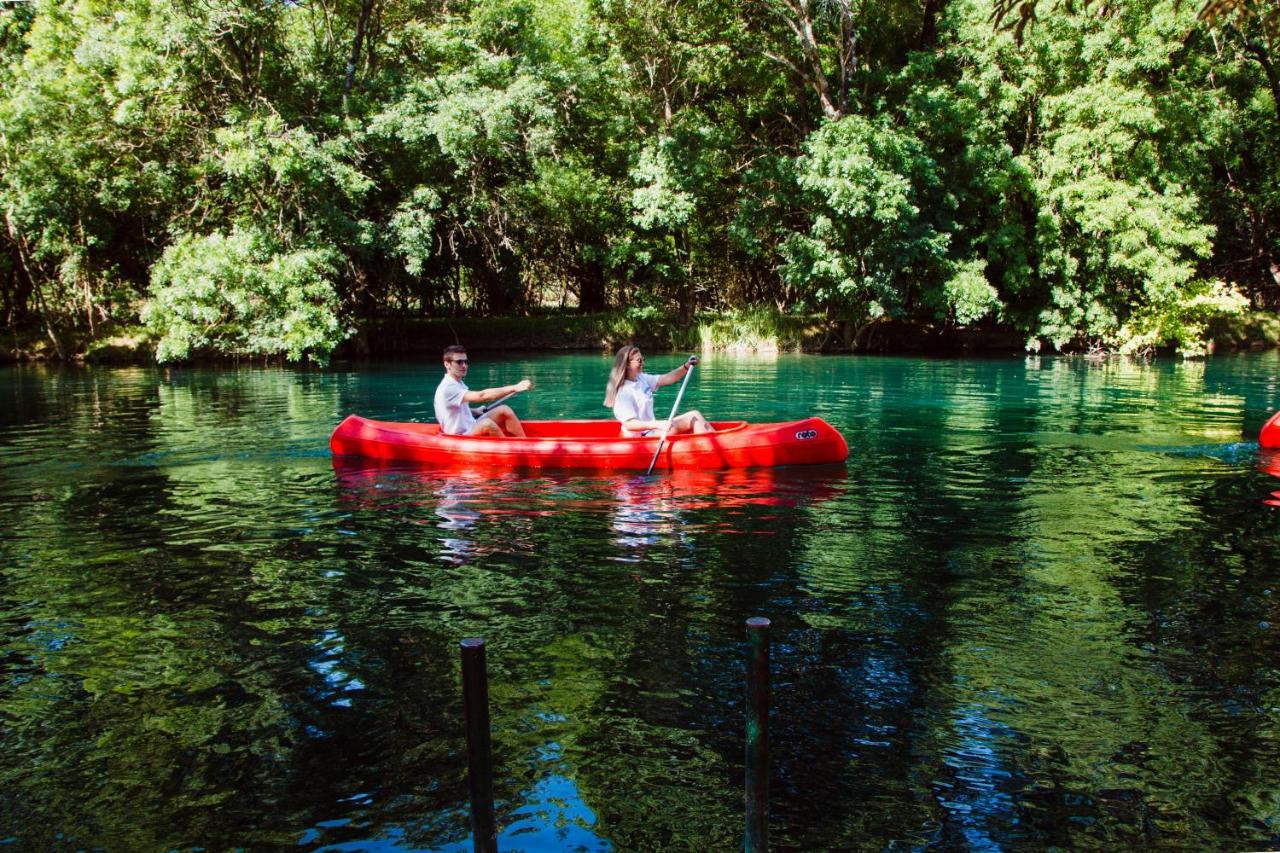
<point>675,375</point>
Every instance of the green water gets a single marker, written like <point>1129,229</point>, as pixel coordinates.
<point>1040,606</point>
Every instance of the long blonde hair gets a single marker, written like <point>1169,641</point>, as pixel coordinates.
<point>618,374</point>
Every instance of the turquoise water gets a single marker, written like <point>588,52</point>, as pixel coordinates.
<point>1039,606</point>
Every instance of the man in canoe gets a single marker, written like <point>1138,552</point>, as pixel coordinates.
<point>453,398</point>
<point>630,395</point>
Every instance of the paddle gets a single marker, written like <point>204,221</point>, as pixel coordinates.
<point>662,440</point>
<point>485,410</point>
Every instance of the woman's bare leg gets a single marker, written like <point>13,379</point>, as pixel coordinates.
<point>690,422</point>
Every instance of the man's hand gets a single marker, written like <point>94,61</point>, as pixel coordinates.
<point>523,385</point>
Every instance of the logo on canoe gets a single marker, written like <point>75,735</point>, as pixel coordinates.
<point>806,434</point>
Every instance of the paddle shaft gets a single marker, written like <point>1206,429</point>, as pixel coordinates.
<point>663,439</point>
<point>485,410</point>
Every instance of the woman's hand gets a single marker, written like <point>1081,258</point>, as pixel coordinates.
<point>692,362</point>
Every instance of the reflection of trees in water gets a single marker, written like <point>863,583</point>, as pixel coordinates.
<point>1008,627</point>
<point>159,714</point>
<point>662,736</point>
<point>1205,603</point>
<point>865,651</point>
<point>984,620</point>
<point>611,654</point>
<point>178,675</point>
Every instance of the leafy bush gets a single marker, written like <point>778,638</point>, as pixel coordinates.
<point>1183,322</point>
<point>1254,329</point>
<point>759,330</point>
<point>240,294</point>
<point>969,296</point>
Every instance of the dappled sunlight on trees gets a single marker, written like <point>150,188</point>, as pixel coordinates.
<point>274,180</point>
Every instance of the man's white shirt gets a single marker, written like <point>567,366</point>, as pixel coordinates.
<point>452,411</point>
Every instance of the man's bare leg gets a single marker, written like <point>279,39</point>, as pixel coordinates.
<point>500,421</point>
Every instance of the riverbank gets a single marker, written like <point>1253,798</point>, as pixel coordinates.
<point>747,331</point>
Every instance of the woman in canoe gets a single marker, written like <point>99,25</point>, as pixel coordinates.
<point>630,395</point>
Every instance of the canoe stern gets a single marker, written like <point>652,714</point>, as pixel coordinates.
<point>1270,435</point>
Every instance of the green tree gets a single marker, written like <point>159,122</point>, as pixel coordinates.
<point>243,294</point>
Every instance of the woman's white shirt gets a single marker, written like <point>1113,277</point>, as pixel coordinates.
<point>635,400</point>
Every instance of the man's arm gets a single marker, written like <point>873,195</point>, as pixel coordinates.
<point>488,395</point>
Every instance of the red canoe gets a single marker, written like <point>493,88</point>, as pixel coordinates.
<point>1270,436</point>
<point>594,445</point>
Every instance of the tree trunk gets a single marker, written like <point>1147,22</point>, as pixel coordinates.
<point>362,25</point>
<point>796,15</point>
<point>24,262</point>
<point>1269,68</point>
<point>591,288</point>
<point>929,26</point>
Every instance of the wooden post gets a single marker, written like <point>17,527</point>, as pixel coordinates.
<point>756,838</point>
<point>475,695</point>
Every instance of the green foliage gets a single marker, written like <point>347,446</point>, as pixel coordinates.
<point>1255,329</point>
<point>411,230</point>
<point>657,201</point>
<point>89,125</point>
<point>1117,227</point>
<point>760,330</point>
<point>502,157</point>
<point>969,295</point>
<point>1183,322</point>
<point>287,178</point>
<point>240,293</point>
<point>868,237</point>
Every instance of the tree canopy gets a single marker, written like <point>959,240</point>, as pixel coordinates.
<point>250,177</point>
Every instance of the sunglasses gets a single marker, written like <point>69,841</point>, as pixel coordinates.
<point>458,360</point>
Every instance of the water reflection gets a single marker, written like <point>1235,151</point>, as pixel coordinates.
<point>1037,608</point>
<point>1269,462</point>
<point>642,516</point>
<point>463,496</point>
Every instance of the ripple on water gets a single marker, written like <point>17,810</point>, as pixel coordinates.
<point>1034,609</point>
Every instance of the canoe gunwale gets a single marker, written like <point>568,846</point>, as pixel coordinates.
<point>730,428</point>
